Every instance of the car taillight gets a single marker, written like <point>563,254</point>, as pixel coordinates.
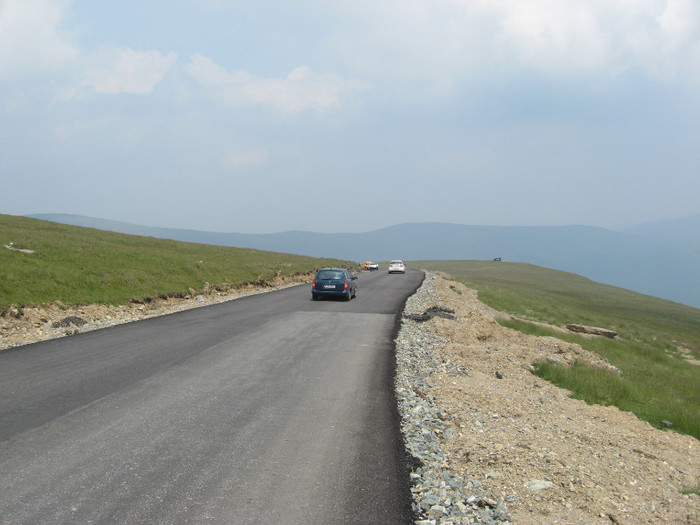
<point>313,285</point>
<point>346,284</point>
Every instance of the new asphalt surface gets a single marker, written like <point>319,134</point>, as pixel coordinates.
<point>268,409</point>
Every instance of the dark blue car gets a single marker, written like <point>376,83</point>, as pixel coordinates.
<point>334,282</point>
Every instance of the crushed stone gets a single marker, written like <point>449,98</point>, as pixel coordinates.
<point>493,443</point>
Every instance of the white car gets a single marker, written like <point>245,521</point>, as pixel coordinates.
<point>397,266</point>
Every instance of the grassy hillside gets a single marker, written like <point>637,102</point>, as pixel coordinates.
<point>655,336</point>
<point>77,265</point>
<point>661,265</point>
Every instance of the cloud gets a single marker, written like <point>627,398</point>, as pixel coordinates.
<point>301,90</point>
<point>30,39</point>
<point>467,39</point>
<point>121,71</point>
<point>680,26</point>
<point>587,35</point>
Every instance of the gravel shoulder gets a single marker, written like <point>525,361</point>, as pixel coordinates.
<point>40,323</point>
<point>519,448</point>
<point>491,442</point>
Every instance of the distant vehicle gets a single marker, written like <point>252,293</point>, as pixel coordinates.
<point>397,266</point>
<point>370,266</point>
<point>334,282</point>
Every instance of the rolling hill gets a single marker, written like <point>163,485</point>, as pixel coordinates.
<point>43,262</point>
<point>652,259</point>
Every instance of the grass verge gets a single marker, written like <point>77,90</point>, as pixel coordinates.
<point>656,337</point>
<point>48,262</point>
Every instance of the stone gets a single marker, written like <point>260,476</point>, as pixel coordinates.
<point>592,330</point>
<point>70,320</point>
<point>537,484</point>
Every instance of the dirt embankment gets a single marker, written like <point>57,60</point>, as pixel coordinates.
<point>552,458</point>
<point>39,323</point>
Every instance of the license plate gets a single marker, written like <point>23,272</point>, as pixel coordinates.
<point>329,286</point>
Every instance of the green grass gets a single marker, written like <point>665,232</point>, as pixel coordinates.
<point>692,490</point>
<point>74,265</point>
<point>656,382</point>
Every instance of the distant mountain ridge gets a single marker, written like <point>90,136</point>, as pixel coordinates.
<point>656,259</point>
<point>686,228</point>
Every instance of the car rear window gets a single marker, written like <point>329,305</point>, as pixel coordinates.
<point>327,275</point>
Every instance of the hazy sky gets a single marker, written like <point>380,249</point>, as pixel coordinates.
<point>276,115</point>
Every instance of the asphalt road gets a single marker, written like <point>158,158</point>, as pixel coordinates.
<point>269,409</point>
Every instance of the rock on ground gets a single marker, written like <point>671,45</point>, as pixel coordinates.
<point>544,457</point>
<point>39,323</point>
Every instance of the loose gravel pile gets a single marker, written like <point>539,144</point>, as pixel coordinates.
<point>493,443</point>
<point>440,496</point>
